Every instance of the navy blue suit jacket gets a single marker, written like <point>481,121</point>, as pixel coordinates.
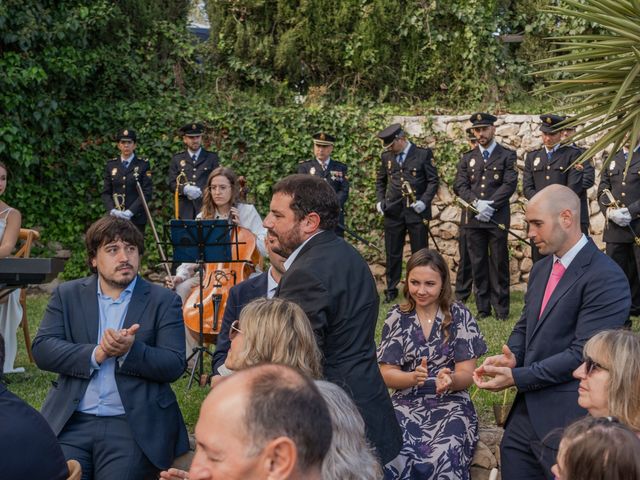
<point>593,295</point>
<point>28,447</point>
<point>66,339</point>
<point>239,296</point>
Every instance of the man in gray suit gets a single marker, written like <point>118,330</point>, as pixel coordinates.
<point>116,343</point>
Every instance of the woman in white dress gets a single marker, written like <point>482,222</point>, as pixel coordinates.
<point>10,308</point>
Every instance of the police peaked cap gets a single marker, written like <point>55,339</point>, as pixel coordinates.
<point>389,134</point>
<point>481,119</point>
<point>192,129</point>
<point>322,138</point>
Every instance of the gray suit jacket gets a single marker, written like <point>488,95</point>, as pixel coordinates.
<point>66,339</point>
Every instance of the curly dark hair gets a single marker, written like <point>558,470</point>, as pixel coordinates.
<point>108,229</point>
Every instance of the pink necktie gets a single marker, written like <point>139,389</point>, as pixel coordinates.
<point>556,274</point>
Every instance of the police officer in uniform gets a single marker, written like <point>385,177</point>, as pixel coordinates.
<point>588,179</point>
<point>333,172</point>
<point>119,192</point>
<point>193,166</point>
<point>551,164</point>
<point>464,277</point>
<point>403,167</point>
<point>623,219</point>
<point>486,178</point>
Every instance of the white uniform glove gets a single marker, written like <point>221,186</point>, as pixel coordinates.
<point>481,205</point>
<point>120,214</point>
<point>619,216</point>
<point>379,208</point>
<point>127,214</point>
<point>418,206</point>
<point>485,210</point>
<point>192,192</point>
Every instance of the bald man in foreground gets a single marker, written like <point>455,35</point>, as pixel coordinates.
<point>573,293</point>
<point>268,422</point>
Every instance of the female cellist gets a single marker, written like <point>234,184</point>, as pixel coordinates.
<point>220,201</point>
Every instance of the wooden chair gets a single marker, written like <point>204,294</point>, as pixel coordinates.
<point>75,470</point>
<point>27,237</point>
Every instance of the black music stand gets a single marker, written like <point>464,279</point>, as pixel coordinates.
<point>200,241</point>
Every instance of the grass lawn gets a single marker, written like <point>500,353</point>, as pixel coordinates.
<point>32,385</point>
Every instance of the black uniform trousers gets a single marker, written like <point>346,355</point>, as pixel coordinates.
<point>488,246</point>
<point>627,256</point>
<point>395,231</point>
<point>464,276</point>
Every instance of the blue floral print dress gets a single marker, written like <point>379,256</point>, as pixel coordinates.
<point>440,432</point>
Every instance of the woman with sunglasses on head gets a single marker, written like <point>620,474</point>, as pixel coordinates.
<point>10,308</point>
<point>428,353</point>
<point>609,384</point>
<point>598,449</point>
<point>221,201</point>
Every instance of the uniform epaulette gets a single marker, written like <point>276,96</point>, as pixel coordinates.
<point>144,159</point>
<point>114,159</point>
<point>304,161</point>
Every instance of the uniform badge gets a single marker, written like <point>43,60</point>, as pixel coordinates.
<point>548,120</point>
<point>612,166</point>
<point>478,117</point>
<point>126,133</point>
<point>414,172</point>
<point>536,162</point>
<point>114,171</point>
<point>193,127</point>
<point>322,136</point>
<point>183,163</point>
<point>136,172</point>
<point>472,163</point>
<point>388,164</point>
<point>312,170</point>
<point>148,173</point>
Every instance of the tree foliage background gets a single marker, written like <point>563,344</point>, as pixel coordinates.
<point>75,71</point>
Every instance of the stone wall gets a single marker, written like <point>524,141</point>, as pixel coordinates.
<point>518,132</point>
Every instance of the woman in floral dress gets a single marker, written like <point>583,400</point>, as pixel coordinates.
<point>428,352</point>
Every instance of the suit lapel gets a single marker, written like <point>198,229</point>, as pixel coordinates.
<point>494,157</point>
<point>89,306</point>
<point>138,303</point>
<point>570,277</point>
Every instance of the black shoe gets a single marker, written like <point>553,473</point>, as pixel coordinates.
<point>482,315</point>
<point>390,296</point>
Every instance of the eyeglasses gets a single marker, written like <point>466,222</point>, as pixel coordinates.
<point>234,330</point>
<point>222,188</point>
<point>590,365</point>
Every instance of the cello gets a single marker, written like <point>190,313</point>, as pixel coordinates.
<point>218,278</point>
